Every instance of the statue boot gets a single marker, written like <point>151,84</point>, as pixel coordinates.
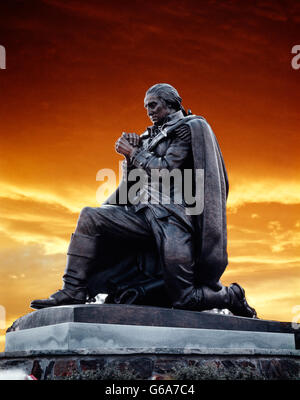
<point>81,256</point>
<point>231,298</point>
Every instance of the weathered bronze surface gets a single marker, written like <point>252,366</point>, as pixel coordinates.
<point>158,253</point>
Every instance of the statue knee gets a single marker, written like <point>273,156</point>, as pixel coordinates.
<point>85,221</point>
<point>86,213</point>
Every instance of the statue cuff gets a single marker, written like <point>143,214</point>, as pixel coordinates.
<point>140,158</point>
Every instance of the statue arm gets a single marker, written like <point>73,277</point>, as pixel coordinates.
<point>173,158</point>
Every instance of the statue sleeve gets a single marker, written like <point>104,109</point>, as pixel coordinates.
<point>174,157</point>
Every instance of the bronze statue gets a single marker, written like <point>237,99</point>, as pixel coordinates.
<point>165,251</point>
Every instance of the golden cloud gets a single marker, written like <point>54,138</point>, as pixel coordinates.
<point>264,191</point>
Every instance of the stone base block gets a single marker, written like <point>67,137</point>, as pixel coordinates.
<point>114,338</point>
<point>213,366</point>
<point>136,342</point>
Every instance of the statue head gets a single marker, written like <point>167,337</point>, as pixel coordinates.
<point>161,100</point>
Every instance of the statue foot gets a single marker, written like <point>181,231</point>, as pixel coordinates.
<point>239,305</point>
<point>59,298</point>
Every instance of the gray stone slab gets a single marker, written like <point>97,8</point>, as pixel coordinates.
<point>150,350</point>
<point>147,316</point>
<point>113,338</point>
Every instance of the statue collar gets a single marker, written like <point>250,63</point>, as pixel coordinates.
<point>172,119</point>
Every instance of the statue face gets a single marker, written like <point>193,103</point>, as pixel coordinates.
<point>157,110</point>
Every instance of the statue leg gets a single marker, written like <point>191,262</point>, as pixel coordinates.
<point>85,249</point>
<point>82,253</point>
<point>175,241</point>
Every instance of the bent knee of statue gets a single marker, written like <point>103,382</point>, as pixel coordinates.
<point>86,212</point>
<point>85,223</point>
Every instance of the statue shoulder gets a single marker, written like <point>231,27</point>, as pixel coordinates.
<point>186,124</point>
<point>192,118</point>
<point>196,122</point>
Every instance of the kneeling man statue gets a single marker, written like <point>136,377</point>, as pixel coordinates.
<point>158,247</point>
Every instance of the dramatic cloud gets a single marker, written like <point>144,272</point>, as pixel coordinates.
<point>76,76</point>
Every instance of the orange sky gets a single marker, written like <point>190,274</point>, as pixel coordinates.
<point>76,76</point>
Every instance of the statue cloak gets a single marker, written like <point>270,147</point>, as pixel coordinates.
<point>141,266</point>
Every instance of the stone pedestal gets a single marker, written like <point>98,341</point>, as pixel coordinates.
<point>95,340</point>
